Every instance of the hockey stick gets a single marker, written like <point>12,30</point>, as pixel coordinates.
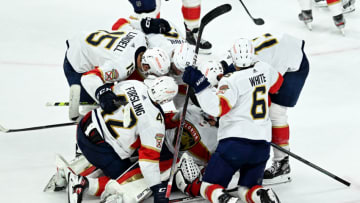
<point>186,199</point>
<point>204,21</point>
<point>66,103</point>
<point>311,164</point>
<point>5,130</point>
<point>257,21</point>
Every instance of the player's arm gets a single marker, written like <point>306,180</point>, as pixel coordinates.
<point>276,80</point>
<point>217,103</point>
<point>214,103</point>
<point>152,137</point>
<point>147,25</point>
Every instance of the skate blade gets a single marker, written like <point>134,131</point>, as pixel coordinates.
<point>278,180</point>
<point>309,26</point>
<point>342,31</point>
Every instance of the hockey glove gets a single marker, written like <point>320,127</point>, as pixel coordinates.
<point>109,102</point>
<point>155,25</point>
<point>159,192</point>
<point>194,78</point>
<point>227,68</point>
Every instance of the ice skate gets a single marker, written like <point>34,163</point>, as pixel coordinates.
<point>267,196</point>
<point>307,18</point>
<point>348,6</point>
<point>320,3</point>
<point>76,187</point>
<point>227,198</point>
<point>277,173</point>
<point>339,21</point>
<point>191,37</point>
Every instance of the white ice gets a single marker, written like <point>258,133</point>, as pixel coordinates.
<point>324,125</point>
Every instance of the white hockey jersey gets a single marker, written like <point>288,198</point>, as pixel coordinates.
<point>242,102</point>
<point>168,43</point>
<point>198,138</point>
<point>283,53</point>
<point>139,124</point>
<point>105,56</point>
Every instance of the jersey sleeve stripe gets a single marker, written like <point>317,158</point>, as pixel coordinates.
<point>119,23</point>
<point>276,86</point>
<point>96,72</point>
<point>149,154</point>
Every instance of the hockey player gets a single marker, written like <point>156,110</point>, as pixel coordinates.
<point>335,7</point>
<point>294,68</point>
<point>241,102</point>
<point>191,13</point>
<point>95,58</point>
<point>348,5</point>
<point>108,139</point>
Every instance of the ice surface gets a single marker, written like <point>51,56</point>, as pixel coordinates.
<point>324,125</point>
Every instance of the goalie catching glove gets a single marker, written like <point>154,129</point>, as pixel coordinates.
<point>187,176</point>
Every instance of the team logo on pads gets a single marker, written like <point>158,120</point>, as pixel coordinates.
<point>159,137</point>
<point>111,75</point>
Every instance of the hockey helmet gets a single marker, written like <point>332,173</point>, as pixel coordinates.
<point>212,70</point>
<point>242,53</point>
<point>183,56</point>
<point>161,89</point>
<point>158,61</point>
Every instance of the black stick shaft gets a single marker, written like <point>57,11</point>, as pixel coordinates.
<point>311,164</point>
<point>41,127</point>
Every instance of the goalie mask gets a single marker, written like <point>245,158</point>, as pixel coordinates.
<point>161,89</point>
<point>158,61</point>
<point>213,71</point>
<point>242,53</point>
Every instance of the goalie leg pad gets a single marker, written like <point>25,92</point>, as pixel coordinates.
<point>74,101</point>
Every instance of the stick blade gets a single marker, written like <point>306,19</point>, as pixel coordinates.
<point>215,13</point>
<point>4,130</point>
<point>259,21</point>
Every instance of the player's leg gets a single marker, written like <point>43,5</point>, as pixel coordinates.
<point>280,168</point>
<point>146,8</point>
<point>217,176</point>
<point>348,6</point>
<point>306,12</point>
<point>287,96</point>
<point>191,13</point>
<point>98,153</point>
<point>336,10</point>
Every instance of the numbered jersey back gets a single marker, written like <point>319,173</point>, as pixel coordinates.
<point>104,48</point>
<point>138,122</point>
<point>284,53</point>
<point>246,91</point>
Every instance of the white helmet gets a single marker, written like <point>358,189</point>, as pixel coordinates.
<point>212,71</point>
<point>161,89</point>
<point>157,59</point>
<point>183,56</point>
<point>242,53</point>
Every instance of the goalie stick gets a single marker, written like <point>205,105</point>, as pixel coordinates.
<point>257,21</point>
<point>204,21</point>
<point>311,164</point>
<point>5,130</point>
